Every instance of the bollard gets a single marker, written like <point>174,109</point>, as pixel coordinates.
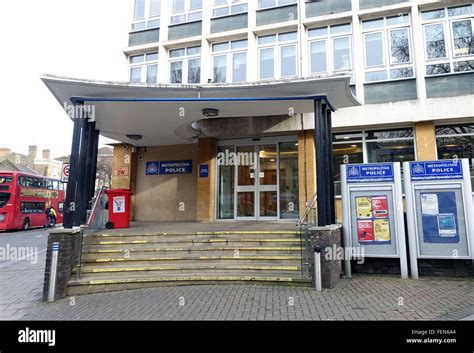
<point>54,272</point>
<point>317,268</point>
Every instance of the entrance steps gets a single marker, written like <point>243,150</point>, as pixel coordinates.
<point>129,261</point>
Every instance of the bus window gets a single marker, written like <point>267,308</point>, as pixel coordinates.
<point>4,197</point>
<point>55,185</point>
<point>61,207</point>
<point>50,184</point>
<point>42,183</point>
<point>32,207</point>
<point>61,186</point>
<point>6,179</point>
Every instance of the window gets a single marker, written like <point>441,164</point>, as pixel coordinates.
<point>186,11</point>
<point>449,40</point>
<point>456,141</point>
<point>330,49</point>
<point>264,4</point>
<point>185,65</point>
<point>32,207</point>
<point>387,48</point>
<point>229,7</point>
<point>146,15</point>
<point>144,68</point>
<point>6,179</point>
<point>277,56</point>
<point>230,61</point>
<point>377,146</point>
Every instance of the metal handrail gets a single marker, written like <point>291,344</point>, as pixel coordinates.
<point>90,217</point>
<point>309,207</point>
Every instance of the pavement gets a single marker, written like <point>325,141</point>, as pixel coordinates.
<point>21,271</point>
<point>364,297</point>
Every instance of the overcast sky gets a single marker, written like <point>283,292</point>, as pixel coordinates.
<point>75,38</point>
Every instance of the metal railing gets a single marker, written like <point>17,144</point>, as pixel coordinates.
<point>96,220</point>
<point>308,218</point>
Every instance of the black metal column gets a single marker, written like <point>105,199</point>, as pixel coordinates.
<point>324,164</point>
<point>70,206</point>
<point>330,167</point>
<point>95,151</point>
<point>85,196</point>
<point>80,206</point>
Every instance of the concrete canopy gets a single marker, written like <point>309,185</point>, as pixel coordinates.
<point>164,114</point>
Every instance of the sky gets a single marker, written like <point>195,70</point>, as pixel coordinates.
<point>74,38</point>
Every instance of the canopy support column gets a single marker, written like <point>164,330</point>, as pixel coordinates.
<point>324,164</point>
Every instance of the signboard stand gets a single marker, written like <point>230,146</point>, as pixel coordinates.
<point>439,210</point>
<point>372,209</point>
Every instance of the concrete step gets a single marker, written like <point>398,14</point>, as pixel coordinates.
<point>190,256</point>
<point>219,233</point>
<point>96,284</point>
<point>93,240</point>
<point>158,247</point>
<point>182,267</point>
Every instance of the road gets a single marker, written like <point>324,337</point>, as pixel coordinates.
<point>22,259</point>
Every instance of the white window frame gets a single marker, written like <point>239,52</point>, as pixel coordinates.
<point>186,13</point>
<point>229,54</point>
<point>277,45</point>
<point>387,65</point>
<point>185,63</point>
<point>328,39</point>
<point>147,18</point>
<point>277,4</point>
<point>230,4</point>
<point>447,23</point>
<point>143,66</point>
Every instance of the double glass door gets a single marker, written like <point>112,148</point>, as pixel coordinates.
<point>257,182</point>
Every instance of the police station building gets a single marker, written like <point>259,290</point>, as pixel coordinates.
<point>220,115</point>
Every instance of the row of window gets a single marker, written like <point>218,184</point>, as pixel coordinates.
<point>32,207</point>
<point>452,142</point>
<point>388,51</point>
<point>40,183</point>
<point>147,12</point>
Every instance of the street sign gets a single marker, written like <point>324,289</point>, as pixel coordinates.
<point>65,173</point>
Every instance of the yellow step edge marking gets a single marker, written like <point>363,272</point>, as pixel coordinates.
<point>194,278</point>
<point>199,258</point>
<point>179,268</point>
<point>283,232</point>
<point>245,240</point>
<point>110,251</point>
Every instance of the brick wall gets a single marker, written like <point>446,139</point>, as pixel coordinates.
<point>67,240</point>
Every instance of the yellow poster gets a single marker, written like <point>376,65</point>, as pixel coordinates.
<point>364,207</point>
<point>382,230</point>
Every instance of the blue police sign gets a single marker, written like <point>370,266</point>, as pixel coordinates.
<point>369,173</point>
<point>436,170</point>
<point>204,171</point>
<point>169,167</point>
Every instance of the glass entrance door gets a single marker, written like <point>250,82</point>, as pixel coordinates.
<point>267,191</point>
<point>257,182</point>
<point>257,179</point>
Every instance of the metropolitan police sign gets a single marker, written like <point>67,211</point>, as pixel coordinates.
<point>436,170</point>
<point>369,173</point>
<point>169,167</point>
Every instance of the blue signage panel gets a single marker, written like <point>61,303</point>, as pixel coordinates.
<point>436,170</point>
<point>439,217</point>
<point>169,167</point>
<point>204,171</point>
<point>369,173</point>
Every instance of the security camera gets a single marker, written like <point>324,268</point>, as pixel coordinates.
<point>125,146</point>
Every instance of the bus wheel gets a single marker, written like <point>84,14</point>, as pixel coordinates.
<point>26,224</point>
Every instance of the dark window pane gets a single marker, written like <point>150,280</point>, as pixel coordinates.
<point>400,47</point>
<point>389,134</point>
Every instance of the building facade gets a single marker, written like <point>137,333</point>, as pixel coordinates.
<point>411,66</point>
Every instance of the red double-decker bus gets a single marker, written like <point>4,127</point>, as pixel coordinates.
<point>24,198</point>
